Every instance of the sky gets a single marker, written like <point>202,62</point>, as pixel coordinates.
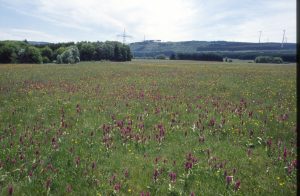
<point>166,20</point>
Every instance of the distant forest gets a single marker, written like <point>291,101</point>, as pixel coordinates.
<point>234,50</point>
<point>30,52</point>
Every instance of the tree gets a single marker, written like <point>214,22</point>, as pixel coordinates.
<point>70,56</point>
<point>29,55</point>
<point>6,53</point>
<point>86,50</point>
<point>117,52</point>
<point>99,51</point>
<point>173,56</point>
<point>47,52</point>
<point>108,51</point>
<point>129,55</point>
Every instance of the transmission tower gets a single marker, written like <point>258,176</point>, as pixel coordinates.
<point>124,36</point>
<point>283,38</point>
<point>260,32</point>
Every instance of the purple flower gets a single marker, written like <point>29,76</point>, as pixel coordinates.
<point>155,175</point>
<point>188,165</point>
<point>10,190</point>
<point>269,143</point>
<point>117,187</point>
<point>212,122</point>
<point>237,185</point>
<point>143,194</point>
<point>126,173</point>
<point>229,180</point>
<point>284,154</point>
<point>172,176</point>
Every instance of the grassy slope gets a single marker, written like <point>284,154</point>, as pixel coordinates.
<point>43,133</point>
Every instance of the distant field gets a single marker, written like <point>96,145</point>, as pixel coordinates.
<point>158,127</point>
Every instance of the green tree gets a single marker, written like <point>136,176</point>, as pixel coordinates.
<point>86,50</point>
<point>30,55</point>
<point>47,52</point>
<point>6,52</point>
<point>117,53</point>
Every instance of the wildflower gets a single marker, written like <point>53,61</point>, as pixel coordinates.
<point>78,108</point>
<point>269,143</point>
<point>237,185</point>
<point>284,154</point>
<point>234,171</point>
<point>69,188</point>
<point>192,194</point>
<point>48,183</point>
<point>126,173</point>
<point>143,194</point>
<point>201,139</point>
<point>229,180</point>
<point>10,190</point>
<point>281,183</point>
<point>129,190</point>
<point>117,187</point>
<point>188,165</point>
<point>172,176</point>
<point>155,175</point>
<point>94,165</point>
<point>212,122</point>
<point>77,161</point>
<point>249,152</point>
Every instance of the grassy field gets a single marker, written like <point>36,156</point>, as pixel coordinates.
<point>148,128</point>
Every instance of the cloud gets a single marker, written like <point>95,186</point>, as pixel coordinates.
<point>167,20</point>
<point>29,34</point>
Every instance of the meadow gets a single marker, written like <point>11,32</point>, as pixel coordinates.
<point>148,128</point>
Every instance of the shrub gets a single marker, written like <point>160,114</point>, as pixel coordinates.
<point>69,56</point>
<point>161,57</point>
<point>277,60</point>
<point>268,59</point>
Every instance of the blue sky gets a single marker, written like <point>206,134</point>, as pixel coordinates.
<point>167,20</point>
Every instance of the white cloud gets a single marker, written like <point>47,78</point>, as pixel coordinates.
<point>29,34</point>
<point>166,19</point>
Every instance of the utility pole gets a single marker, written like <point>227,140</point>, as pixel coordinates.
<point>283,38</point>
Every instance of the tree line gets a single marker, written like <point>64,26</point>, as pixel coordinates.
<point>70,52</point>
<point>196,56</point>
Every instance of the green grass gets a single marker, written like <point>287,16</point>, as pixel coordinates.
<point>52,116</point>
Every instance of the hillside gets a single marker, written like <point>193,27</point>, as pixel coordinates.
<point>154,48</point>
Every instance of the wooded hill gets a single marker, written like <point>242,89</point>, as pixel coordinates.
<point>237,50</point>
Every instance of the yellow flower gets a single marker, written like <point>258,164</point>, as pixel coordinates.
<point>281,184</point>
<point>129,190</point>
